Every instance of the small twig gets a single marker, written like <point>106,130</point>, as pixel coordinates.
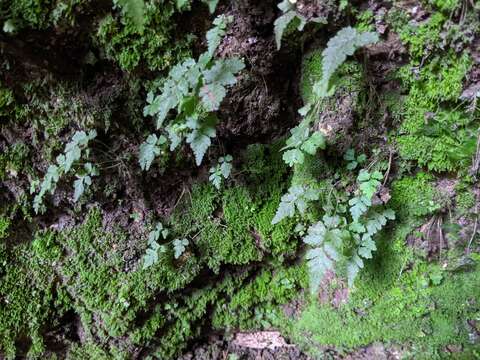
<point>179,198</point>
<point>390,158</point>
<point>474,230</point>
<point>476,159</point>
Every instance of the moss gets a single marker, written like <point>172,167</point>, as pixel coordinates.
<point>87,351</point>
<point>4,225</point>
<point>365,21</point>
<point>28,288</point>
<point>422,39</point>
<point>158,47</point>
<point>6,101</point>
<point>13,160</point>
<point>414,196</point>
<point>264,293</point>
<point>433,134</point>
<point>446,6</point>
<point>42,14</point>
<point>95,277</point>
<point>393,303</point>
<point>465,199</point>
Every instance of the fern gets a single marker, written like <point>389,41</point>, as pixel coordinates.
<point>325,240</point>
<point>214,35</point>
<point>154,248</point>
<point>84,180</point>
<point>301,142</point>
<point>341,243</point>
<point>179,247</point>
<point>297,198</point>
<point>290,14</point>
<point>221,171</point>
<point>354,161</point>
<point>73,153</point>
<point>343,44</point>
<point>150,149</point>
<point>368,186</point>
<point>195,89</point>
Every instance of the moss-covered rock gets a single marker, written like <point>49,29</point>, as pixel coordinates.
<point>158,47</point>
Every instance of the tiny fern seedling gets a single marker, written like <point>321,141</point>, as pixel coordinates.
<point>221,171</point>
<point>352,160</point>
<point>179,247</point>
<point>195,89</point>
<point>154,248</point>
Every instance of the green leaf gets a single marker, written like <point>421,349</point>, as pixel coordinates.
<point>199,143</point>
<point>9,27</point>
<point>318,263</point>
<point>316,234</point>
<point>212,95</point>
<point>214,35</point>
<point>363,175</point>
<point>343,44</point>
<point>293,156</point>
<point>314,142</point>
<point>357,227</point>
<point>149,150</point>
<point>226,169</point>
<point>280,25</point>
<point>349,155</point>
<point>353,268</point>
<point>223,71</point>
<point>299,134</point>
<point>352,165</point>
<point>358,206</point>
<point>212,5</point>
<point>179,247</point>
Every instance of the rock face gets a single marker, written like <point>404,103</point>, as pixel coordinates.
<point>163,264</point>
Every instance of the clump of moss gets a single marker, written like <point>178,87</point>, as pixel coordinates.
<point>41,14</point>
<point>6,101</point>
<point>465,199</point>
<point>13,160</point>
<point>422,39</point>
<point>4,225</point>
<point>414,196</point>
<point>365,21</point>
<point>28,287</point>
<point>266,291</point>
<point>433,134</point>
<point>157,48</point>
<point>446,6</point>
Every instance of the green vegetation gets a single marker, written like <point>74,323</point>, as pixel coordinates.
<point>156,46</point>
<point>195,89</point>
<point>350,225</point>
